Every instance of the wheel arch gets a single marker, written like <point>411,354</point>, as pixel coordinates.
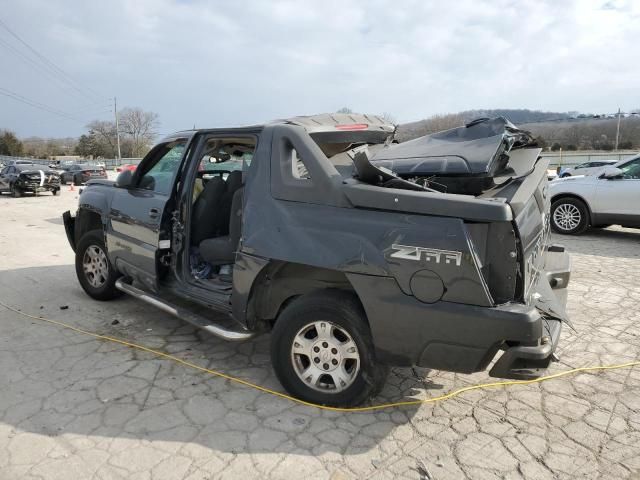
<point>86,220</point>
<point>560,196</point>
<point>278,283</point>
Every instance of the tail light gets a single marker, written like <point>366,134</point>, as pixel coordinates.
<point>352,126</point>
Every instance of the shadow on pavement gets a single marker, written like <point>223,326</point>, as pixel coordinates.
<point>58,382</point>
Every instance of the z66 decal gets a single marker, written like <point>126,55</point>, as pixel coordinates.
<point>408,252</point>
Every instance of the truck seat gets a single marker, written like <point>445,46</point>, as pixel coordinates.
<point>221,250</point>
<point>206,210</point>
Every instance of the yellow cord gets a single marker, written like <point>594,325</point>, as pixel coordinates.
<point>446,396</point>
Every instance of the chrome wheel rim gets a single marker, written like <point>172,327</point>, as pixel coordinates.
<point>95,266</point>
<point>567,216</point>
<point>325,357</point>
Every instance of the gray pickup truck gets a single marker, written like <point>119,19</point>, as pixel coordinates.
<point>356,252</point>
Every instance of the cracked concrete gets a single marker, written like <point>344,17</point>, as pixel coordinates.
<point>75,407</point>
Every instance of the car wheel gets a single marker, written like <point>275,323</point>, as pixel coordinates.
<point>569,216</point>
<point>16,191</point>
<point>77,180</point>
<point>322,352</point>
<point>63,180</point>
<point>94,270</point>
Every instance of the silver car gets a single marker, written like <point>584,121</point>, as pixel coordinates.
<point>610,198</point>
<point>587,168</point>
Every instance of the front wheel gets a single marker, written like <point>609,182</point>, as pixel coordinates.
<point>95,273</point>
<point>569,216</point>
<point>322,352</point>
<point>77,180</point>
<point>16,191</point>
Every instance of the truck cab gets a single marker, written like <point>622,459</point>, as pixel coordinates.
<point>327,233</point>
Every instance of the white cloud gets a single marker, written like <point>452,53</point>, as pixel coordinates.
<point>214,64</point>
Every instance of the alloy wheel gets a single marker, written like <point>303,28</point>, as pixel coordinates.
<point>325,357</point>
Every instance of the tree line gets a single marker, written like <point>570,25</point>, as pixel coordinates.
<point>567,131</point>
<point>138,129</point>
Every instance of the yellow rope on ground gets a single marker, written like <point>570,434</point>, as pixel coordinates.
<point>446,396</point>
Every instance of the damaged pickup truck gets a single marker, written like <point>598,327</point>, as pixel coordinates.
<point>357,253</point>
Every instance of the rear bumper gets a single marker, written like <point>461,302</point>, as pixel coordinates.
<point>527,361</point>
<point>466,338</point>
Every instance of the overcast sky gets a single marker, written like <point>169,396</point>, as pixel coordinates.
<point>235,63</point>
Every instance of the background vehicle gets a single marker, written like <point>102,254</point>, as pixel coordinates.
<point>79,173</point>
<point>352,264</point>
<point>8,163</point>
<point>612,197</point>
<point>587,168</point>
<point>19,179</point>
<point>127,166</point>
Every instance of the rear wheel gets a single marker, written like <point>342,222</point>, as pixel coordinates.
<point>569,216</point>
<point>77,180</point>
<point>95,273</point>
<point>322,352</point>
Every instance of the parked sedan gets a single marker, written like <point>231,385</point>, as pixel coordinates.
<point>81,173</point>
<point>22,178</point>
<point>587,168</point>
<point>610,198</point>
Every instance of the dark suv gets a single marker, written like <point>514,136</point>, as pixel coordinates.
<point>354,251</point>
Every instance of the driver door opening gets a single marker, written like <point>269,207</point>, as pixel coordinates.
<point>215,214</point>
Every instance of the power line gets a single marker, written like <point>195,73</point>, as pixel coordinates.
<point>63,84</point>
<point>35,104</point>
<point>52,66</point>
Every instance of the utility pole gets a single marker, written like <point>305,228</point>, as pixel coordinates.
<point>115,112</point>
<point>618,130</point>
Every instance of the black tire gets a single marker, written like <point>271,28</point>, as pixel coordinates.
<point>106,290</point>
<point>16,191</point>
<point>77,180</point>
<point>579,212</point>
<point>55,191</point>
<point>338,309</point>
<point>63,180</point>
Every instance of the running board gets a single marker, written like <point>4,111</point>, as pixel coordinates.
<point>183,314</point>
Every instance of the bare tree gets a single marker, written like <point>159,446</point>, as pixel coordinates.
<point>140,127</point>
<point>105,134</point>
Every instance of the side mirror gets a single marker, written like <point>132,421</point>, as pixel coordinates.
<point>611,172</point>
<point>125,179</point>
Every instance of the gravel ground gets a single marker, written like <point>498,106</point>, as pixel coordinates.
<point>75,407</point>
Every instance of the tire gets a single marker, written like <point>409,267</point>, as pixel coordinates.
<point>77,181</point>
<point>54,192</point>
<point>340,316</point>
<point>63,180</point>
<point>569,216</point>
<point>99,282</point>
<point>16,191</point>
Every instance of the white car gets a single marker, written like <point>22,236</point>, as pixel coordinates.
<point>610,198</point>
<point>587,168</point>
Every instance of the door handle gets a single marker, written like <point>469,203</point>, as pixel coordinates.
<point>154,212</point>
